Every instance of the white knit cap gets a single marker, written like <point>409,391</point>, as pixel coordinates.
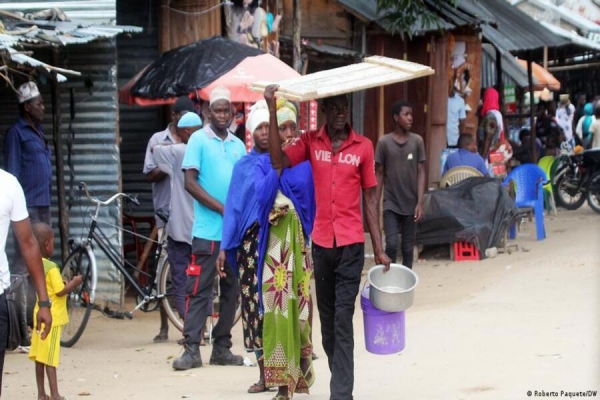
<point>27,91</point>
<point>220,93</point>
<point>259,113</point>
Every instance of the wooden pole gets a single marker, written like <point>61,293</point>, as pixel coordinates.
<point>381,97</point>
<point>297,38</point>
<point>63,213</point>
<point>531,107</point>
<point>499,83</point>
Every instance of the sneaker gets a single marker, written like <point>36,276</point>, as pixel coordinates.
<point>224,356</point>
<point>23,349</point>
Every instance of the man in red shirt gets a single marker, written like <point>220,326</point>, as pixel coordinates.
<point>343,163</point>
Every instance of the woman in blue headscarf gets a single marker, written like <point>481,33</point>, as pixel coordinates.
<point>286,214</point>
<point>584,124</point>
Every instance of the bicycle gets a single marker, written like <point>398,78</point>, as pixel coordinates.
<point>81,260</point>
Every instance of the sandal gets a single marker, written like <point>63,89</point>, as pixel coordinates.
<point>280,397</point>
<point>258,387</point>
<point>161,337</point>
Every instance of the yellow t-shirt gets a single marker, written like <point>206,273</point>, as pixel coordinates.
<point>54,284</point>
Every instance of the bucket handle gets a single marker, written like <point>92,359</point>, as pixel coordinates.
<point>364,286</point>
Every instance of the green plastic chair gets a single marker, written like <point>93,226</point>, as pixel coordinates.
<point>545,163</point>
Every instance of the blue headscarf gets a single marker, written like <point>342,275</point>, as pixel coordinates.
<point>296,184</point>
<point>241,206</point>
<point>588,111</point>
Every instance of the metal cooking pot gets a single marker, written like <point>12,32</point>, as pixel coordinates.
<point>393,291</point>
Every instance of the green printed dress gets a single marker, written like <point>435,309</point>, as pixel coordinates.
<point>286,295</point>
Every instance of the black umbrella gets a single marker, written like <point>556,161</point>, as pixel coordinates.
<point>181,71</point>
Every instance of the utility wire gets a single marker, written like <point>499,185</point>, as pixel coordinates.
<point>171,8</point>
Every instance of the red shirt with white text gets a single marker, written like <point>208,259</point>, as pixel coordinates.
<point>338,180</point>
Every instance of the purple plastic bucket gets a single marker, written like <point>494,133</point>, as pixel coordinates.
<point>384,331</point>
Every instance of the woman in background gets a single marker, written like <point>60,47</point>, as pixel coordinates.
<point>584,124</point>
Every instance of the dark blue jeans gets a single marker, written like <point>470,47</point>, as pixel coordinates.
<point>337,278</point>
<point>394,224</point>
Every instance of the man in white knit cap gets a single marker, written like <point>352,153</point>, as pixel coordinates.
<point>208,164</point>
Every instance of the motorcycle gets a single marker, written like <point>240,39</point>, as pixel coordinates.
<point>577,179</point>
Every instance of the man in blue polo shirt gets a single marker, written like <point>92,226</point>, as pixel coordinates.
<point>466,155</point>
<point>27,157</point>
<point>208,164</point>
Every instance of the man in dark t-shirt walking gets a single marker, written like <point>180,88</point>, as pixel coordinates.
<point>400,168</point>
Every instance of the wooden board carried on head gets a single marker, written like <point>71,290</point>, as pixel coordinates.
<point>372,72</point>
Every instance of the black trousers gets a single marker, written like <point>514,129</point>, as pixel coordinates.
<point>394,224</point>
<point>199,292</point>
<point>3,334</point>
<point>337,277</point>
<point>178,254</point>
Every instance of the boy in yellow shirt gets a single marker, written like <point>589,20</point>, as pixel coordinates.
<point>46,353</point>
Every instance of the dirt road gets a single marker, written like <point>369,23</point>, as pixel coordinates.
<point>494,329</point>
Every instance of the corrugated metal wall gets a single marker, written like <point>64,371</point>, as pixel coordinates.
<point>489,74</point>
<point>137,124</point>
<point>95,152</point>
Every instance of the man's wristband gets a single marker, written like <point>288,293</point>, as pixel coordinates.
<point>45,303</point>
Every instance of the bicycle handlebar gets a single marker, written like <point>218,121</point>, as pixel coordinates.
<point>95,200</point>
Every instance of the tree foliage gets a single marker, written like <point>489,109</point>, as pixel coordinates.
<point>401,16</point>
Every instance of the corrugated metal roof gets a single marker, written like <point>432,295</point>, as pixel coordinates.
<point>515,30</point>
<point>546,11</point>
<point>572,36</point>
<point>88,20</point>
<point>502,24</point>
<point>56,33</point>
<point>24,59</point>
<point>366,10</point>
<point>64,33</point>
<point>94,11</point>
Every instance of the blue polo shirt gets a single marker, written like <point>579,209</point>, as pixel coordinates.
<point>465,157</point>
<point>213,158</point>
<point>27,157</point>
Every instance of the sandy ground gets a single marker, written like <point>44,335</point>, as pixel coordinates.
<point>494,329</point>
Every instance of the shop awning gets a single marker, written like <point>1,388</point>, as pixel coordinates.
<point>544,78</point>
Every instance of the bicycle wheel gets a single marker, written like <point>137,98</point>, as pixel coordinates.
<point>79,306</point>
<point>165,287</point>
